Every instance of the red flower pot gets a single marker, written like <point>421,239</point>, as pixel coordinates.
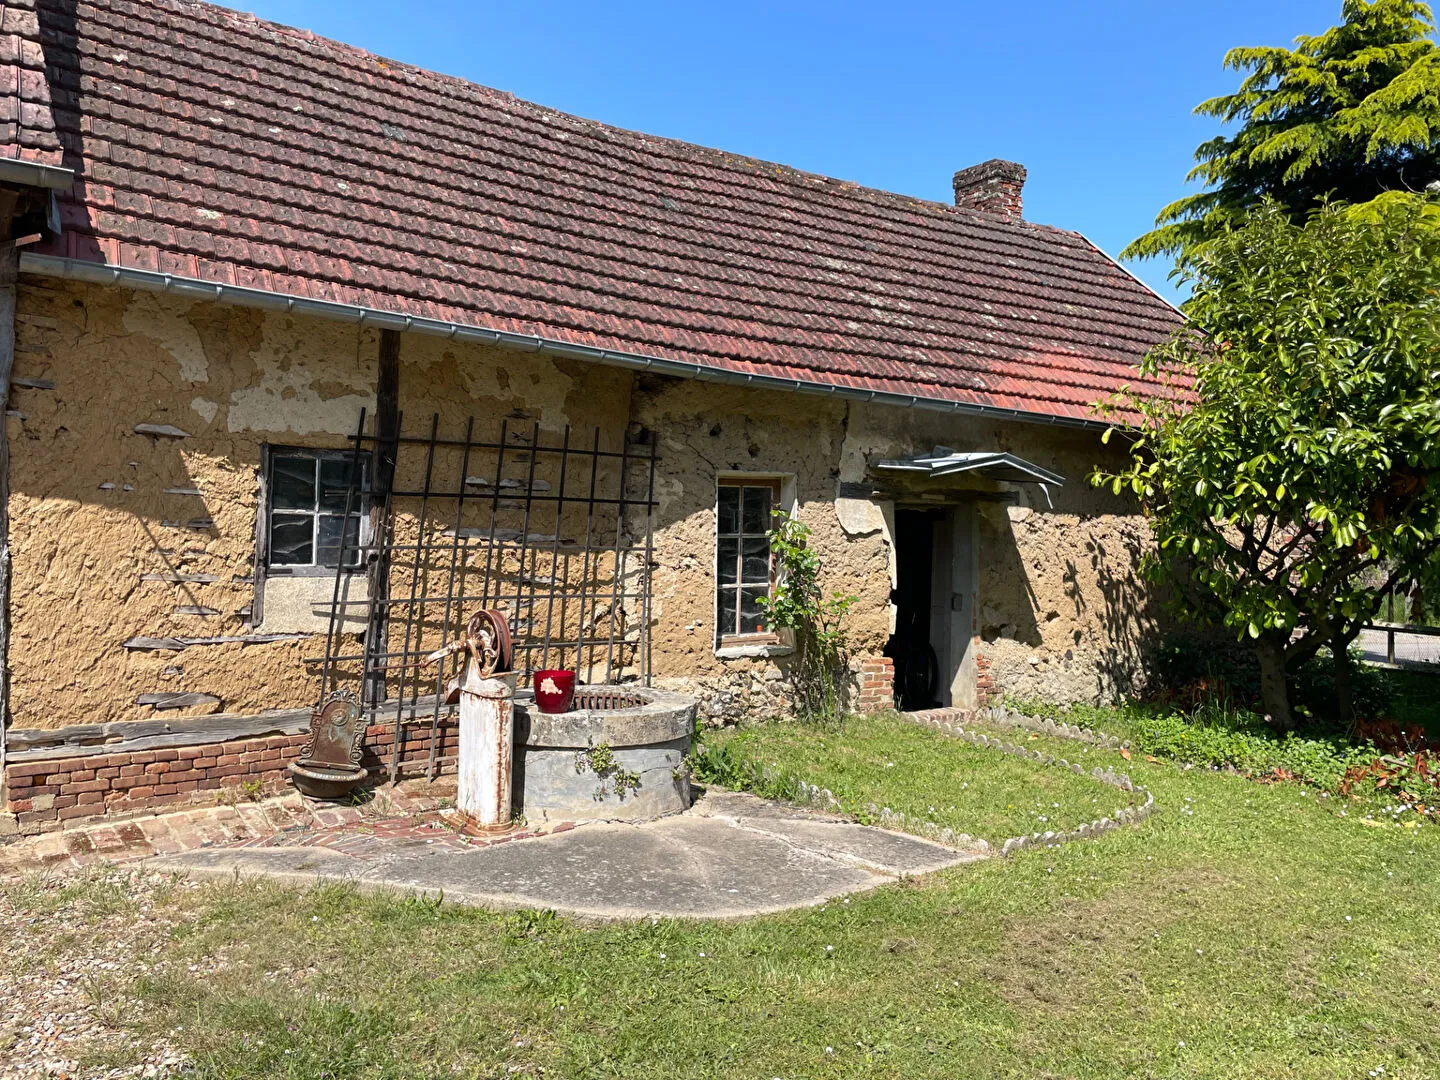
<point>555,691</point>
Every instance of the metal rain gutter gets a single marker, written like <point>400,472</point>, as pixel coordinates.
<point>194,289</point>
<point>34,174</point>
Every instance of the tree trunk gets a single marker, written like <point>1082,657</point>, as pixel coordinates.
<point>1274,687</point>
<point>1344,678</point>
<point>1344,689</point>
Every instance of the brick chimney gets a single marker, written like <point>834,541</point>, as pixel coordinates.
<point>992,187</point>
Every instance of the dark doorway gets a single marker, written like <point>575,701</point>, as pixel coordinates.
<point>917,666</point>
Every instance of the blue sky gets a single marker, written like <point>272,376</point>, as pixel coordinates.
<point>1092,96</point>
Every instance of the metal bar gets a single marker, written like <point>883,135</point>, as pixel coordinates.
<point>615,570</point>
<point>525,528</point>
<point>494,515</point>
<point>555,556</point>
<point>449,602</point>
<point>375,626</point>
<point>398,744</point>
<point>420,440</point>
<point>520,596</point>
<point>518,646</point>
<point>514,495</point>
<point>328,673</point>
<point>1405,628</point>
<point>645,573</point>
<point>585,558</point>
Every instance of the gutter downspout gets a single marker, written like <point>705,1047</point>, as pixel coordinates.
<point>195,289</point>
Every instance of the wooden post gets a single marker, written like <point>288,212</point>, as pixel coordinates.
<point>9,263</point>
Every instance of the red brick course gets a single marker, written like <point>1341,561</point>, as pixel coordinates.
<point>111,783</point>
<point>985,691</point>
<point>876,689</point>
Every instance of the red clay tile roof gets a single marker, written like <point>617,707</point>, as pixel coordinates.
<point>213,145</point>
<point>27,128</point>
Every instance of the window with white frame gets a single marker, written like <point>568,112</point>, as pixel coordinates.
<point>306,511</point>
<point>744,568</point>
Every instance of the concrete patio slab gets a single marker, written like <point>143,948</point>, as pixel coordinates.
<point>728,858</point>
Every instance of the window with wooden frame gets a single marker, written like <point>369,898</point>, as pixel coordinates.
<point>744,568</point>
<point>305,511</point>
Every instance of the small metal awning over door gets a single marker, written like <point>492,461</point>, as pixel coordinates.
<point>992,465</point>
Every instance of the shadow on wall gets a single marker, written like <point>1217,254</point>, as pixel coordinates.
<point>1131,616</point>
<point>1009,606</point>
<point>1070,595</point>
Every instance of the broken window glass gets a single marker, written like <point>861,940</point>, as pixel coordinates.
<point>310,492</point>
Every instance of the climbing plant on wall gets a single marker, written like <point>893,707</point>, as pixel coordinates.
<point>799,604</point>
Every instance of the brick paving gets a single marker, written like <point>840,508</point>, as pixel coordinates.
<point>411,810</point>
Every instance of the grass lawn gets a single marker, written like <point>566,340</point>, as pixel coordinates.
<point>887,761</point>
<point>1245,930</point>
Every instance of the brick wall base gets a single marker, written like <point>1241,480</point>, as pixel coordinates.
<point>985,691</point>
<point>876,684</point>
<point>44,795</point>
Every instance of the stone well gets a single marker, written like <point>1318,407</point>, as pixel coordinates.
<point>648,732</point>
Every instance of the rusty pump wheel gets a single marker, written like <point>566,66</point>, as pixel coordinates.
<point>487,639</point>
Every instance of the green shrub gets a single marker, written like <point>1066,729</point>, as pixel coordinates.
<point>1188,671</point>
<point>1242,741</point>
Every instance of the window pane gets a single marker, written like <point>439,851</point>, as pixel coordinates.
<point>751,617</point>
<point>757,509</point>
<point>335,482</point>
<point>727,611</point>
<point>292,483</point>
<point>757,561</point>
<point>729,510</point>
<point>329,546</point>
<point>292,539</point>
<point>727,560</point>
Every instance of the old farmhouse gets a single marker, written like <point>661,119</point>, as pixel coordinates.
<point>308,352</point>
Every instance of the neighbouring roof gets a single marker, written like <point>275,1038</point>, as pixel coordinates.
<point>209,144</point>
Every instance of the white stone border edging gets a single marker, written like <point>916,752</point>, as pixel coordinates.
<point>947,722</point>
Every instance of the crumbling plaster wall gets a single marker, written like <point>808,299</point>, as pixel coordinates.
<point>102,521</point>
<point>1063,614</point>
<point>707,431</point>
<point>101,518</point>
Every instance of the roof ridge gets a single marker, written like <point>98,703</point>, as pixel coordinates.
<point>725,158</point>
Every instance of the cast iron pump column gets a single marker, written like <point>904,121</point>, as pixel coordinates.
<point>486,688</point>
